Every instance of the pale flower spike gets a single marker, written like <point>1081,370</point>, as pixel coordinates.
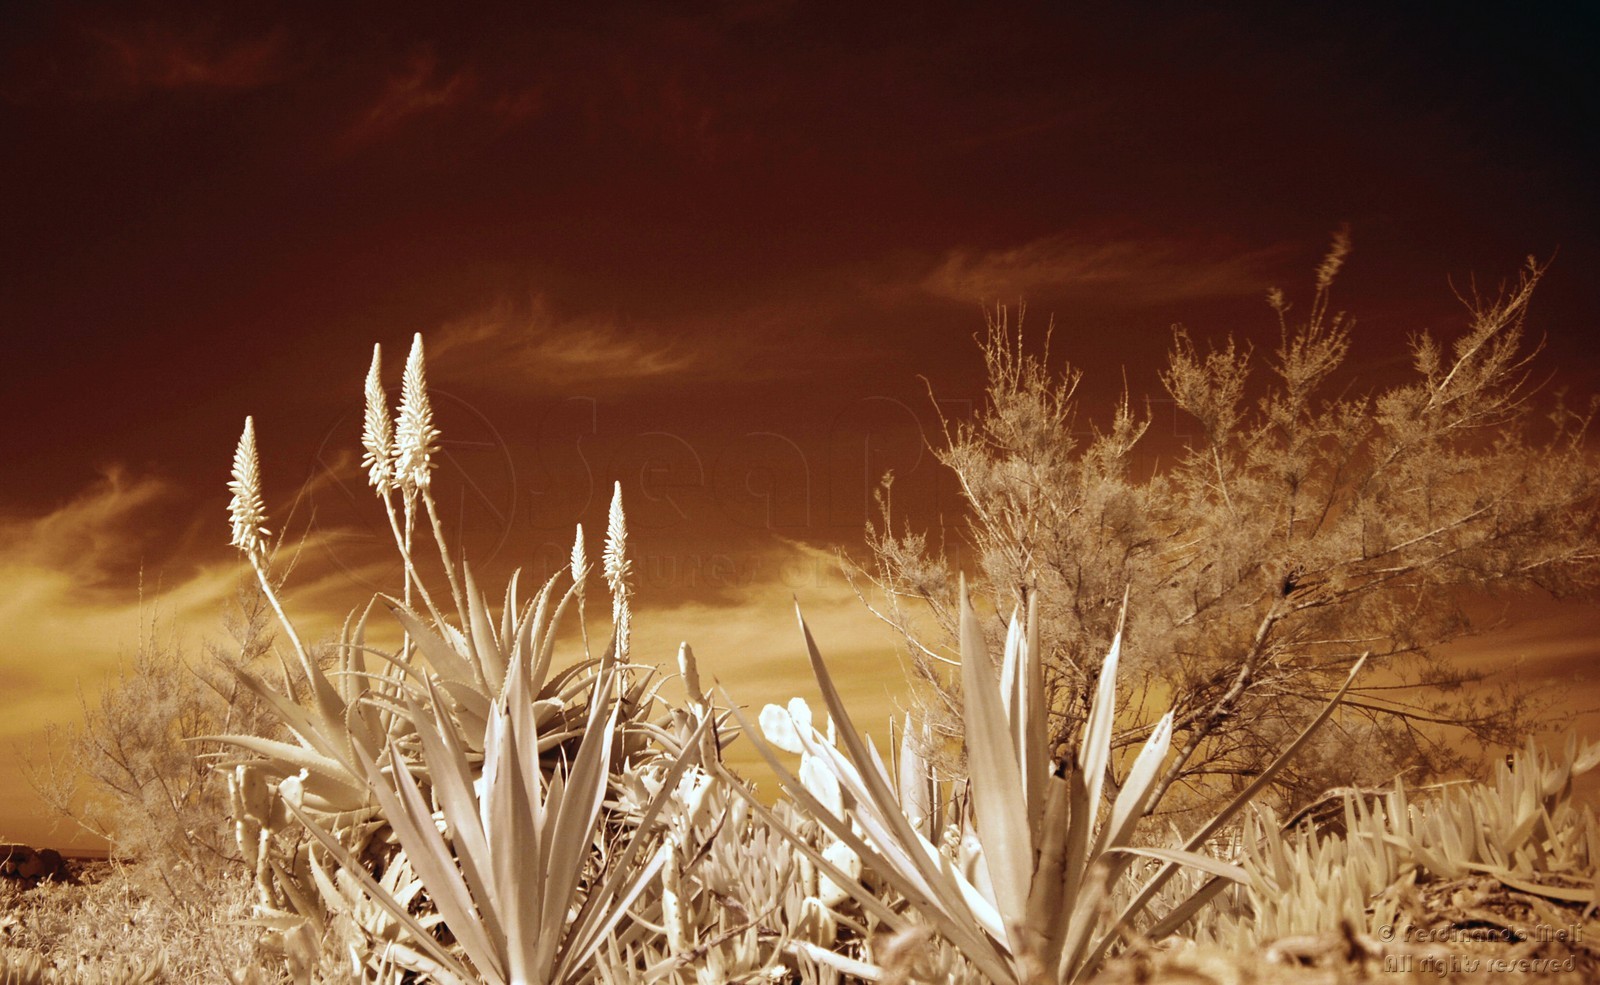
<point>377,433</point>
<point>618,569</point>
<point>414,434</point>
<point>248,514</point>
<point>690,669</point>
<point>580,562</point>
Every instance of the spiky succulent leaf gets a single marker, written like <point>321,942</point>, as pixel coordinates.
<point>996,778</point>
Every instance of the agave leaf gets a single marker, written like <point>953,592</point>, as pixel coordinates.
<point>1186,910</point>
<point>1568,894</point>
<point>1011,670</point>
<point>916,799</point>
<point>869,900</point>
<point>869,787</point>
<point>1033,756</point>
<point>606,906</point>
<point>316,733</point>
<point>1042,932</point>
<point>911,865</point>
<point>1135,795</point>
<point>353,642</point>
<point>441,656</point>
<point>288,759</point>
<point>362,725</point>
<point>1064,943</point>
<point>995,778</point>
<point>430,856</point>
<point>508,614</point>
<point>875,787</point>
<point>531,636</point>
<point>330,707</point>
<point>470,703</point>
<point>547,636</point>
<point>579,810</point>
<point>1194,860</point>
<point>519,805</point>
<point>1199,838</point>
<point>482,644</point>
<point>514,811</point>
<point>444,752</point>
<point>381,896</point>
<point>303,904</point>
<point>1094,752</point>
<point>1080,819</point>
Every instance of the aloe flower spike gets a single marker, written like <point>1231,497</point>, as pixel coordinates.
<point>580,563</point>
<point>377,434</point>
<point>415,436</point>
<point>248,514</point>
<point>580,581</point>
<point>249,532</point>
<point>618,569</point>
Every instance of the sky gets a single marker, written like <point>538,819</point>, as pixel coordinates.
<point>732,255</point>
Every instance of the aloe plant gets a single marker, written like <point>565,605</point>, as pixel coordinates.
<point>1022,899</point>
<point>508,858</point>
<point>468,717</point>
<point>1520,829</point>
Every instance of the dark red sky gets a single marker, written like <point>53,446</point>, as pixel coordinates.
<point>704,251</point>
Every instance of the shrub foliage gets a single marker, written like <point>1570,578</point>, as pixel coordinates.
<point>1310,518</point>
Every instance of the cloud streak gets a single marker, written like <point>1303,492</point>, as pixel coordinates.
<point>1132,270</point>
<point>161,58</point>
<point>97,57</point>
<point>66,623</point>
<point>530,343</point>
<point>420,87</point>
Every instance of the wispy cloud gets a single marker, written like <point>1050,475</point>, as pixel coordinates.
<point>530,343</point>
<point>424,87</point>
<point>1138,271</point>
<point>156,57</point>
<point>525,343</point>
<point>76,600</point>
<point>419,87</point>
<point>74,561</point>
<point>796,331</point>
<point>104,58</point>
<point>70,592</point>
<point>88,537</point>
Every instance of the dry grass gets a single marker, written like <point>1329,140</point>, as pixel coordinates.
<point>108,928</point>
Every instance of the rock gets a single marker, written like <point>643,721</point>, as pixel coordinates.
<point>33,866</point>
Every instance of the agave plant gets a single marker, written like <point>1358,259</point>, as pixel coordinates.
<point>1037,857</point>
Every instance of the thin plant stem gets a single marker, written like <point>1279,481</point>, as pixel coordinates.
<point>283,618</point>
<point>444,556</point>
